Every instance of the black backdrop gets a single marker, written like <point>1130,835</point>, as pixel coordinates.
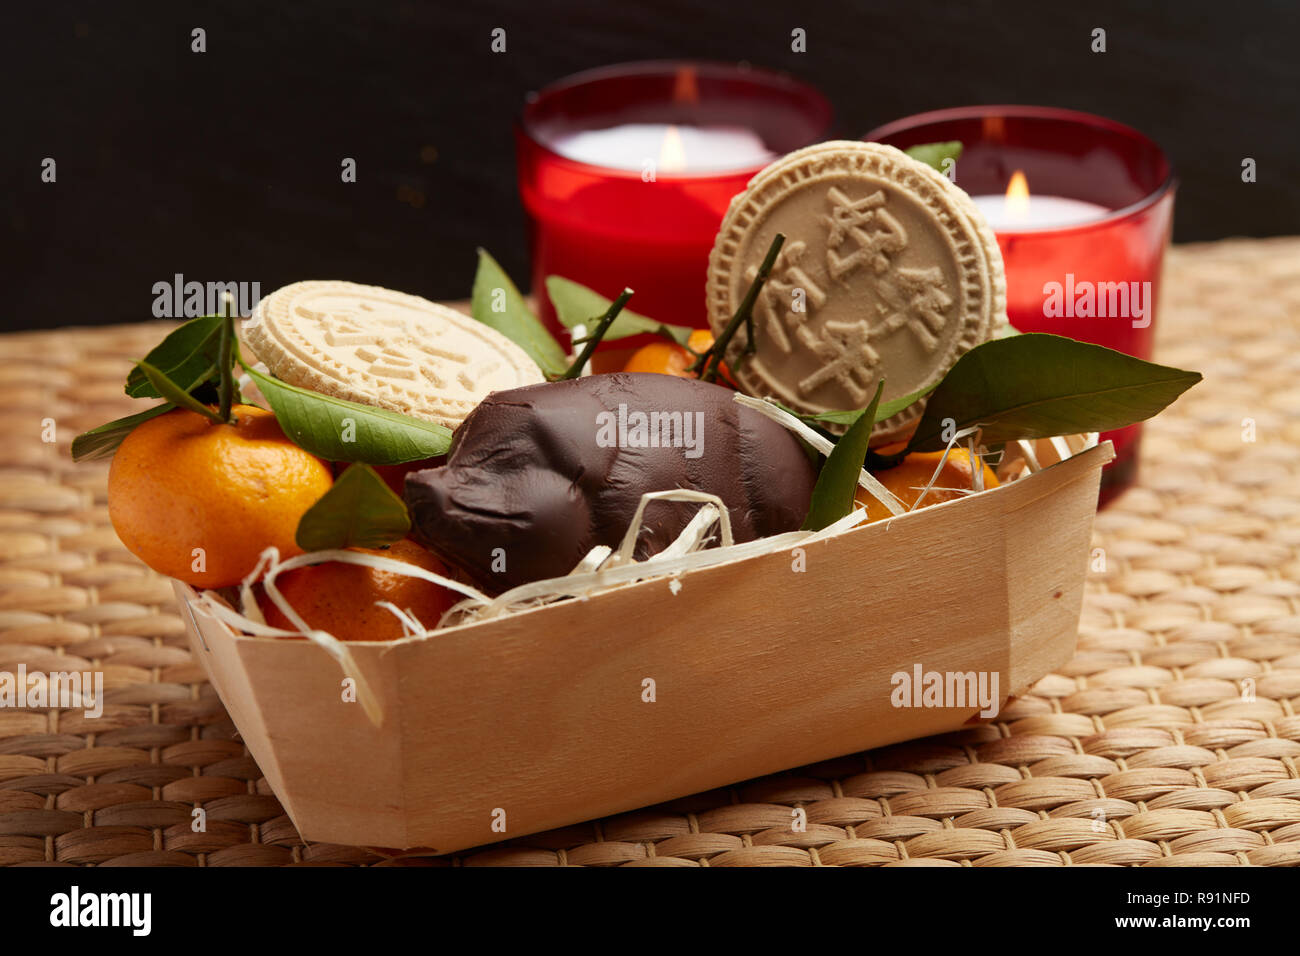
<point>224,166</point>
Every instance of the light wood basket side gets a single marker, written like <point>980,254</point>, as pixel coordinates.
<point>334,771</point>
<point>1045,584</point>
<point>544,718</point>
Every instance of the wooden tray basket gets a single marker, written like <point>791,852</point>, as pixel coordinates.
<point>548,717</point>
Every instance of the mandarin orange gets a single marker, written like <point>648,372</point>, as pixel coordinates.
<point>908,478</point>
<point>200,501</point>
<point>669,358</point>
<point>340,598</point>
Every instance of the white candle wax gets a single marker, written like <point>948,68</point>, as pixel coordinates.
<point>1019,214</point>
<point>688,149</point>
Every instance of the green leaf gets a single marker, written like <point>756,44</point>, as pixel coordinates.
<point>885,410</point>
<point>187,355</point>
<point>339,430</point>
<point>174,393</point>
<point>837,485</point>
<point>1036,385</point>
<point>895,405</point>
<point>577,305</point>
<point>359,511</point>
<point>933,154</point>
<point>101,442</point>
<point>492,287</point>
<point>836,417</point>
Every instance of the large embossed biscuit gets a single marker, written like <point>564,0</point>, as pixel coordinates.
<point>378,347</point>
<point>887,270</point>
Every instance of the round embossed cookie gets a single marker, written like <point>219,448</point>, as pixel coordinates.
<point>887,270</point>
<point>378,347</point>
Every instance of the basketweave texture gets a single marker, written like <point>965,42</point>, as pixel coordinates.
<point>1172,737</point>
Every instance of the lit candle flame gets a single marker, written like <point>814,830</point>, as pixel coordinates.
<point>672,154</point>
<point>1018,196</point>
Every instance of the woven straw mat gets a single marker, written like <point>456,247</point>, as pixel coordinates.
<point>1172,737</point>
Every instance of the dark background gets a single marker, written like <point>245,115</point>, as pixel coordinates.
<point>224,166</point>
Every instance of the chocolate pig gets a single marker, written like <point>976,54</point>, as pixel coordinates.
<point>539,475</point>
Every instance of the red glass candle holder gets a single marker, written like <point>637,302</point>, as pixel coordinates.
<point>1052,272</point>
<point>649,224</point>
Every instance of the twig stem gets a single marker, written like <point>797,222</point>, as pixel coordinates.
<point>226,365</point>
<point>711,359</point>
<point>591,341</point>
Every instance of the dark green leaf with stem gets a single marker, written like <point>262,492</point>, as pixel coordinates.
<point>193,369</point>
<point>339,430</point>
<point>359,511</point>
<point>1036,385</point>
<point>710,360</point>
<point>594,339</point>
<point>837,484</point>
<point>187,355</point>
<point>175,394</point>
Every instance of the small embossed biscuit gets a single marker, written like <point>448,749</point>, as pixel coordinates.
<point>378,347</point>
<point>887,270</point>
